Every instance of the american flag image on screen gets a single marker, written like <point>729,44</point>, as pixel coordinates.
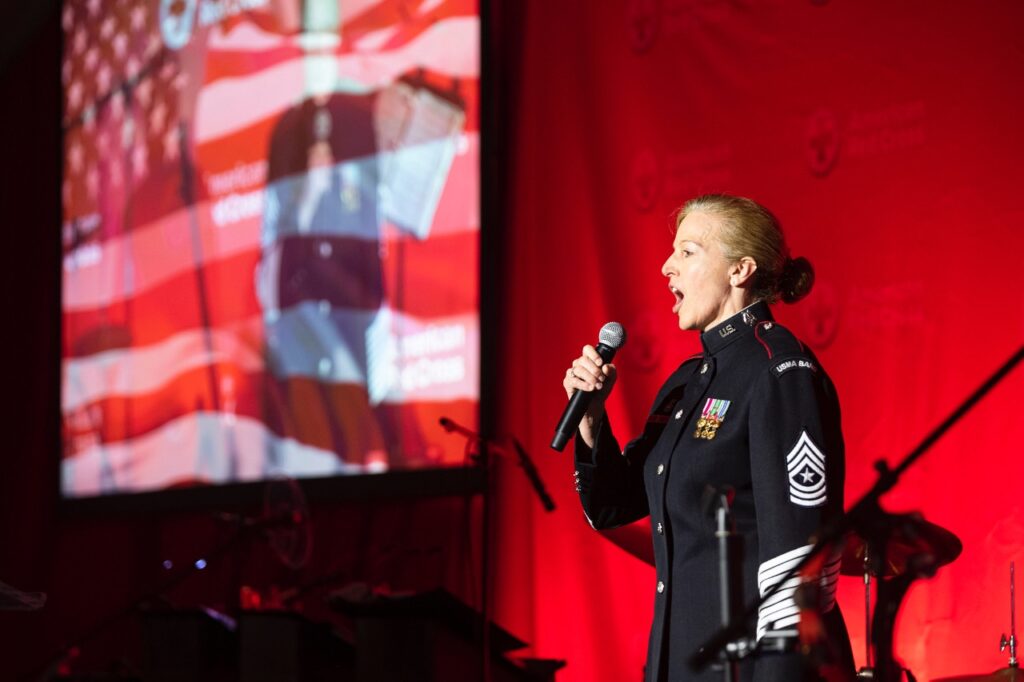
<point>270,239</point>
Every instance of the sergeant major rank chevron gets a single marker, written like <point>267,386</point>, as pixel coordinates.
<point>806,465</point>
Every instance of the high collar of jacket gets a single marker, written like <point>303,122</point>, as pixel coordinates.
<point>740,325</point>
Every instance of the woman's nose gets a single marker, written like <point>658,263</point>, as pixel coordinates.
<point>666,267</point>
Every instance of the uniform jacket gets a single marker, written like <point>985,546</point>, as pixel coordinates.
<point>756,412</point>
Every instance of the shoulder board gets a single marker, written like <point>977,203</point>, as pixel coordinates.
<point>776,340</point>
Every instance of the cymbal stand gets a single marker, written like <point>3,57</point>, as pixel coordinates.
<point>868,671</point>
<point>889,597</point>
<point>1011,641</point>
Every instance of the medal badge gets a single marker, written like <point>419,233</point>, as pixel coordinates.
<point>711,418</point>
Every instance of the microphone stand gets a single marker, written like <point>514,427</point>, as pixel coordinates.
<point>484,448</point>
<point>729,579</point>
<point>482,458</point>
<point>868,517</point>
<point>502,446</point>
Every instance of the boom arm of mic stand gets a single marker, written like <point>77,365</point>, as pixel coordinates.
<point>861,513</point>
<point>502,447</point>
<point>531,473</point>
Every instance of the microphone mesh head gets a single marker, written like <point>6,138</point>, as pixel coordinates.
<point>612,335</point>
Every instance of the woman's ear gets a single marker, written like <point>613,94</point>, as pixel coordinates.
<point>741,271</point>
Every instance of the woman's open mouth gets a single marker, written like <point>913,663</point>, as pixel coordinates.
<point>679,298</point>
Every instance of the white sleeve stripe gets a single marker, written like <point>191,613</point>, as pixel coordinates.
<point>791,620</point>
<point>778,566</point>
<point>765,618</point>
<point>783,558</point>
<point>766,573</point>
<point>827,593</point>
<point>788,587</point>
<point>786,592</point>
<point>770,578</point>
<point>786,602</point>
<point>779,597</point>
<point>774,608</point>
<point>781,610</point>
<point>776,614</point>
<point>825,580</point>
<point>777,624</point>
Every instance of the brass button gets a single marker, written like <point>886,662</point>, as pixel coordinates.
<point>660,528</point>
<point>661,469</point>
<point>661,587</point>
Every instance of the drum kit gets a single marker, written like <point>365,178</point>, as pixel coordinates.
<point>912,546</point>
<point>917,546</point>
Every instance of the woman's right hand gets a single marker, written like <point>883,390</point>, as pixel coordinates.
<point>589,372</point>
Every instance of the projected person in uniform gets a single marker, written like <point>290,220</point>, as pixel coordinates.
<point>329,318</point>
<point>320,280</point>
<point>754,412</point>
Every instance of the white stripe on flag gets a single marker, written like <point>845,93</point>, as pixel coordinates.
<point>144,369</point>
<point>201,446</point>
<point>450,47</point>
<point>406,358</point>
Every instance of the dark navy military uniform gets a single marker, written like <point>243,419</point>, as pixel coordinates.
<point>755,412</point>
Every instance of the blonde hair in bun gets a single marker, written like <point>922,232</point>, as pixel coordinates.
<point>749,229</point>
<point>796,279</point>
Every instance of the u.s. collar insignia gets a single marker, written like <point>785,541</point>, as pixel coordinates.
<point>711,418</point>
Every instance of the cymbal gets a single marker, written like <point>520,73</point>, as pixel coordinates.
<point>1004,675</point>
<point>910,535</point>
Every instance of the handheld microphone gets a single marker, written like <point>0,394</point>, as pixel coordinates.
<point>610,339</point>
